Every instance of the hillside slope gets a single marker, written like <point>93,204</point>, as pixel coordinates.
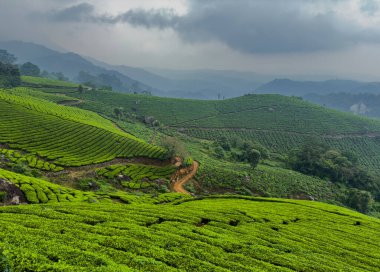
<point>204,235</point>
<point>66,136</point>
<point>280,123</point>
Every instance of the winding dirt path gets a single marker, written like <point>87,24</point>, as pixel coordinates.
<point>178,185</point>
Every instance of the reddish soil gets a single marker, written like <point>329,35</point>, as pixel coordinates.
<point>190,173</point>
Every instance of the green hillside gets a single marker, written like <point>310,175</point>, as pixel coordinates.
<point>100,199</point>
<point>67,136</point>
<point>206,235</point>
<point>277,122</point>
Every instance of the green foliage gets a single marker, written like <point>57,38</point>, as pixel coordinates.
<point>331,164</point>
<point>218,234</point>
<point>20,160</point>
<point>359,200</point>
<point>6,57</point>
<point>253,157</point>
<point>174,147</point>
<point>3,196</point>
<point>9,75</point>
<point>41,191</point>
<point>30,69</point>
<point>135,176</point>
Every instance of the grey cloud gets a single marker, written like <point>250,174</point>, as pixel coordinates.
<point>162,18</point>
<point>249,26</point>
<point>76,13</point>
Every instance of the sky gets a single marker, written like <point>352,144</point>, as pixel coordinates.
<point>332,38</point>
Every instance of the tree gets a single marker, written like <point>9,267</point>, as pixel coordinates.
<point>224,143</point>
<point>174,147</point>
<point>219,152</point>
<point>9,75</point>
<point>254,157</point>
<point>360,200</point>
<point>118,112</point>
<point>80,89</point>
<point>60,76</point>
<point>6,57</point>
<point>30,69</point>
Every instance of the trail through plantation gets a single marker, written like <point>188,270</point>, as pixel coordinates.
<point>178,185</point>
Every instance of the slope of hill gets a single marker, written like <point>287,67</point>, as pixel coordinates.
<point>67,136</point>
<point>90,221</point>
<point>279,123</point>
<point>205,235</point>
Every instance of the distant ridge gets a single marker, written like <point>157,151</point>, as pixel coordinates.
<point>301,88</point>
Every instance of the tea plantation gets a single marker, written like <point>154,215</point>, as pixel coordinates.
<point>64,135</point>
<point>279,123</point>
<point>96,194</point>
<point>217,234</point>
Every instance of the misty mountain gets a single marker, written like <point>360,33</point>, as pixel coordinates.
<point>301,88</point>
<point>360,104</point>
<point>200,84</point>
<point>70,64</point>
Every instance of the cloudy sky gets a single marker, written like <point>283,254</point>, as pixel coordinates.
<point>337,38</point>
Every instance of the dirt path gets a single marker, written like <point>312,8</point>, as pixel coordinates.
<point>178,185</point>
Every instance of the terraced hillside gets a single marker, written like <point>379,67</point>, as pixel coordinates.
<point>64,136</point>
<point>279,123</point>
<point>205,235</point>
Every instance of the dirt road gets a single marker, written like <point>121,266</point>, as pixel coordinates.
<point>178,185</point>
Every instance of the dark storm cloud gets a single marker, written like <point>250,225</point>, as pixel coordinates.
<point>249,26</point>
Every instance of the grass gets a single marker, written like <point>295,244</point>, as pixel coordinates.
<point>205,235</point>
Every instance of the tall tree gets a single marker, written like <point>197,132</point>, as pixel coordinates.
<point>6,57</point>
<point>9,75</point>
<point>30,69</point>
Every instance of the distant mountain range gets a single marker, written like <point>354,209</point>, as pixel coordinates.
<point>301,88</point>
<point>70,64</point>
<point>200,84</point>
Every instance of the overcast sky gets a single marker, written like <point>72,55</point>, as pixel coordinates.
<point>339,38</point>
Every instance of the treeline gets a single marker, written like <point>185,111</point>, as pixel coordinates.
<point>235,149</point>
<point>10,73</point>
<point>341,168</point>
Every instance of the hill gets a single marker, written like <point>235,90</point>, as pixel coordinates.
<point>361,103</point>
<point>274,124</point>
<point>100,199</point>
<point>63,135</point>
<point>277,122</point>
<point>200,84</point>
<point>302,88</point>
<point>219,234</point>
<point>70,64</point>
